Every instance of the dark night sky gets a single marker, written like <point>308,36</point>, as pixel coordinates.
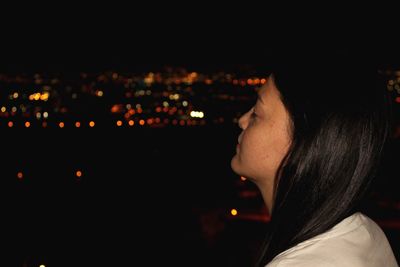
<point>129,37</point>
<point>127,46</point>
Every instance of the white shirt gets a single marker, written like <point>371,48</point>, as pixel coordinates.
<point>357,241</point>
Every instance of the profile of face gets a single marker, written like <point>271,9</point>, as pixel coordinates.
<point>264,140</point>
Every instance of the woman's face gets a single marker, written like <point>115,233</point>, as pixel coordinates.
<point>264,140</point>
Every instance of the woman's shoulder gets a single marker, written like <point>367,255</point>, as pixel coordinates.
<point>355,241</point>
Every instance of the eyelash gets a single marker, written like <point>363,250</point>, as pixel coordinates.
<point>253,114</point>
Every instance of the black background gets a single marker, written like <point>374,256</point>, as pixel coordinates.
<point>141,35</point>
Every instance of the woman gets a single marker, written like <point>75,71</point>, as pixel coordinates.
<point>312,144</point>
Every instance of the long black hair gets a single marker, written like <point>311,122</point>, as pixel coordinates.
<point>341,119</point>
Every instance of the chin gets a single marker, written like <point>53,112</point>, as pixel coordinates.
<point>235,165</point>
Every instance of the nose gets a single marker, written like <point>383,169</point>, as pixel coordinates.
<point>244,120</point>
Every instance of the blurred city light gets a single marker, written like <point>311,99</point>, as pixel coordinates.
<point>197,114</point>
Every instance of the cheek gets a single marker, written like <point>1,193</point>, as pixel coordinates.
<point>262,152</point>
<point>255,151</point>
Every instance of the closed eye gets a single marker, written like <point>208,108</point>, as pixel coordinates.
<point>253,113</point>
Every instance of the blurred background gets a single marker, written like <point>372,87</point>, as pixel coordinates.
<point>117,139</point>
